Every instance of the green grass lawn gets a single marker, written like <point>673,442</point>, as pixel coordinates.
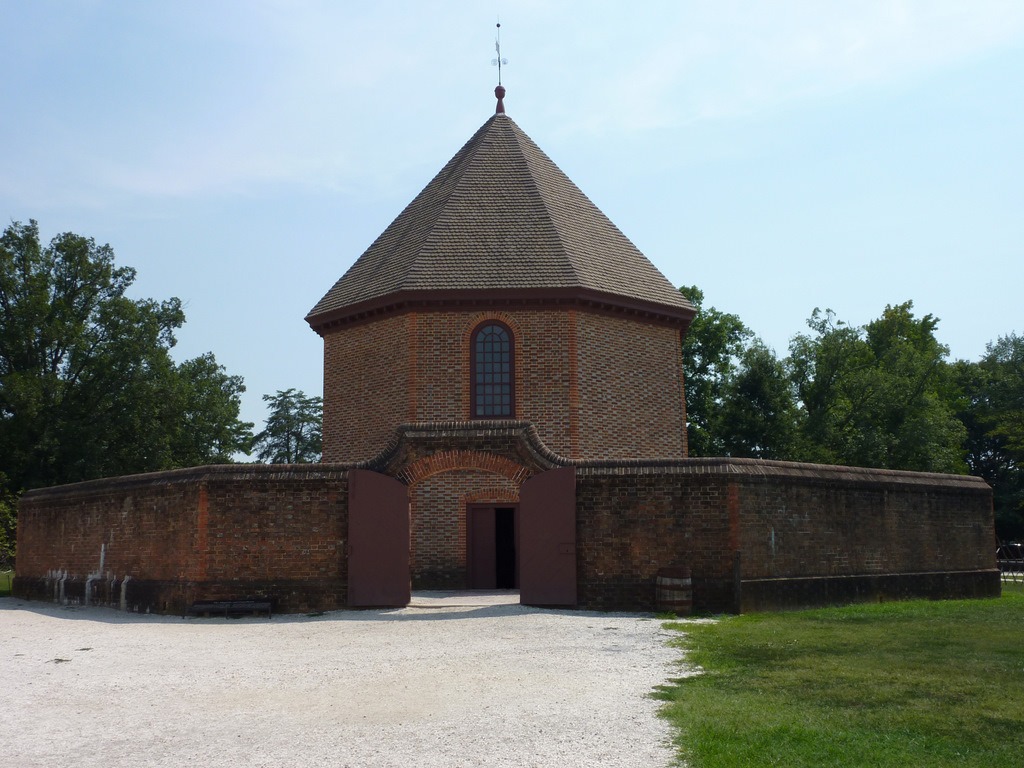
<point>893,684</point>
<point>6,577</point>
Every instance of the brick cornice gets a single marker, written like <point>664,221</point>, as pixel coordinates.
<point>498,300</point>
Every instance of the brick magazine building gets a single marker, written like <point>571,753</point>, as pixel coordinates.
<point>503,408</point>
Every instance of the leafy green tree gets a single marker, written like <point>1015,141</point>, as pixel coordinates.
<point>8,525</point>
<point>207,429</point>
<point>758,417</point>
<point>293,434</point>
<point>87,385</point>
<point>878,396</point>
<point>822,366</point>
<point>1003,364</point>
<point>992,409</point>
<point>713,345</point>
<point>917,407</point>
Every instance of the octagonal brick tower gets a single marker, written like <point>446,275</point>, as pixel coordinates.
<point>502,292</point>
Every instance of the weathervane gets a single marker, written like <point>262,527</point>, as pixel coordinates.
<point>499,91</point>
<point>497,47</point>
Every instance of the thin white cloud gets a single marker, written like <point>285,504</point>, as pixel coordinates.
<point>282,92</point>
<point>734,59</point>
<point>211,98</point>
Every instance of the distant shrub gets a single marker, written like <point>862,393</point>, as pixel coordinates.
<point>8,528</point>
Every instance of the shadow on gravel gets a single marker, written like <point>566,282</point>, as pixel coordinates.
<point>415,613</point>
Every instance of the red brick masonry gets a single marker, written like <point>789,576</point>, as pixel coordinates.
<point>755,534</point>
<point>414,367</point>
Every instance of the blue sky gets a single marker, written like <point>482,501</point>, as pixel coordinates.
<point>782,156</point>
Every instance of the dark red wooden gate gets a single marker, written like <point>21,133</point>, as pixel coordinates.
<point>481,551</point>
<point>547,538</point>
<point>378,541</point>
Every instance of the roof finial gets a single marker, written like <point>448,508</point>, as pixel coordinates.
<point>499,91</point>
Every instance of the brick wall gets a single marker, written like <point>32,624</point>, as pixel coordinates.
<point>170,538</point>
<point>366,387</point>
<point>755,534</point>
<point>762,535</point>
<point>814,535</point>
<point>633,521</point>
<point>630,389</point>
<point>826,529</point>
<point>596,386</point>
<point>142,530</point>
<point>279,533</point>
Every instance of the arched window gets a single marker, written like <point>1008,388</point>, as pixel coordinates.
<point>492,365</point>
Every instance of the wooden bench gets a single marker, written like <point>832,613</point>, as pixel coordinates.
<point>247,607</point>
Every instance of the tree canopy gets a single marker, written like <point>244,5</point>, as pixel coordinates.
<point>8,525</point>
<point>992,410</point>
<point>877,396</point>
<point>88,387</point>
<point>711,350</point>
<point>758,418</point>
<point>293,434</point>
<point>880,395</point>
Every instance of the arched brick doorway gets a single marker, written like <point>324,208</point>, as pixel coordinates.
<point>465,521</point>
<point>454,501</point>
<point>463,506</point>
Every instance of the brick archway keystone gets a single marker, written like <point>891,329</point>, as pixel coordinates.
<point>451,461</point>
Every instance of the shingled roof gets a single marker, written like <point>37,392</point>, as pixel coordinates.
<point>500,219</point>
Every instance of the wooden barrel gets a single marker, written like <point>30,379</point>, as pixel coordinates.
<point>674,591</point>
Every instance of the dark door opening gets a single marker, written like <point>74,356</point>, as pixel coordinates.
<point>505,548</point>
<point>492,559</point>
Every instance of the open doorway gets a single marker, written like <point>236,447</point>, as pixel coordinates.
<point>492,543</point>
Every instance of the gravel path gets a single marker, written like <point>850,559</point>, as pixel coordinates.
<point>450,681</point>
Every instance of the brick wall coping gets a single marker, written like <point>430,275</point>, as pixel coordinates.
<point>194,475</point>
<point>764,469</point>
<point>518,441</point>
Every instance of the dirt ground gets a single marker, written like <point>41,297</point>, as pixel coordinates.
<point>453,680</point>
